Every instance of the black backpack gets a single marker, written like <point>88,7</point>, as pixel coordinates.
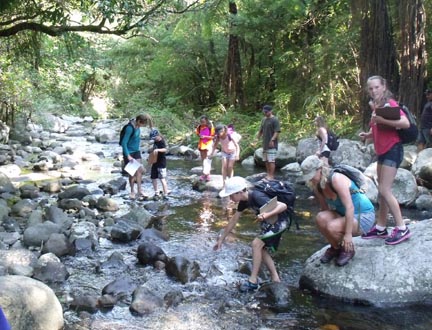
<point>353,174</point>
<point>123,131</point>
<point>408,135</point>
<point>283,191</point>
<point>332,140</point>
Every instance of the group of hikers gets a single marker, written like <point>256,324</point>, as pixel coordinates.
<point>345,210</point>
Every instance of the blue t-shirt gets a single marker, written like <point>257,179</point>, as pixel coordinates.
<point>361,203</point>
<point>131,140</point>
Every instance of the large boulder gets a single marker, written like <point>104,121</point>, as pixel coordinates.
<point>378,274</point>
<point>29,304</point>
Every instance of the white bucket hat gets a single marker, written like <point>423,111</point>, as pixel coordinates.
<point>233,185</point>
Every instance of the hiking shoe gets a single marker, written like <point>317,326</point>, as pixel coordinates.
<point>344,257</point>
<point>248,286</point>
<point>375,233</point>
<point>398,236</point>
<point>329,254</point>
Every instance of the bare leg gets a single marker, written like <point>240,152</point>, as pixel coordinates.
<point>332,226</point>
<point>132,184</point>
<point>224,169</point>
<point>268,261</point>
<point>270,170</point>
<point>230,168</point>
<point>203,154</point>
<point>164,186</point>
<point>257,255</point>
<point>155,185</point>
<point>138,176</point>
<point>387,200</point>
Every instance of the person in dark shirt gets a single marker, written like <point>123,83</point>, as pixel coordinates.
<point>158,169</point>
<point>269,133</point>
<point>425,138</point>
<point>268,241</point>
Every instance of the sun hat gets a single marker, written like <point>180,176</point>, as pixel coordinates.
<point>267,108</point>
<point>153,134</point>
<point>309,167</point>
<point>233,185</point>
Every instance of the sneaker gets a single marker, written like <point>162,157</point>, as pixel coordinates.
<point>375,233</point>
<point>398,236</point>
<point>248,286</point>
<point>202,178</point>
<point>207,178</point>
<point>329,254</point>
<point>344,257</point>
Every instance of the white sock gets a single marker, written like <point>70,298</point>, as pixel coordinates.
<point>380,228</point>
<point>401,227</point>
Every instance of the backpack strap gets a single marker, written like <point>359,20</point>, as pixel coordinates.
<point>352,191</point>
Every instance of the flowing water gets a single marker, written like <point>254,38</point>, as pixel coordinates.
<point>192,221</point>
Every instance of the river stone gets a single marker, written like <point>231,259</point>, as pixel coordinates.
<point>125,231</point>
<point>182,269</point>
<point>379,275</point>
<point>59,245</point>
<point>120,288</point>
<point>87,303</point>
<point>77,192</point>
<point>49,269</point>
<point>424,202</point>
<point>149,253</point>
<point>36,235</point>
<point>276,294</point>
<point>29,304</point>
<point>114,262</point>
<point>6,184</point>
<point>107,204</point>
<point>23,208</point>
<point>144,301</point>
<point>21,257</point>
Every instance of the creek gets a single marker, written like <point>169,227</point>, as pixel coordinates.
<point>192,220</point>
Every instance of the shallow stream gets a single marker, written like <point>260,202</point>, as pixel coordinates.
<point>192,221</point>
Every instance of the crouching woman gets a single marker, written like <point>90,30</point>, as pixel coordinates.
<point>345,210</point>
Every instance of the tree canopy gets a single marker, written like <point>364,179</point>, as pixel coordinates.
<point>223,58</point>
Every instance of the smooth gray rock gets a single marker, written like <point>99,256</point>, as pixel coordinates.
<point>379,274</point>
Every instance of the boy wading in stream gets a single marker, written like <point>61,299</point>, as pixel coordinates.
<point>272,222</point>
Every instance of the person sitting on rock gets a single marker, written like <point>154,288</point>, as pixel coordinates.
<point>345,210</point>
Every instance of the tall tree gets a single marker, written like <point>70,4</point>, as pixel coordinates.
<point>233,81</point>
<point>412,20</point>
<point>377,48</point>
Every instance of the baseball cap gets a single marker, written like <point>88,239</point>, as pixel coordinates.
<point>428,91</point>
<point>233,185</point>
<point>309,167</point>
<point>267,108</point>
<point>153,133</point>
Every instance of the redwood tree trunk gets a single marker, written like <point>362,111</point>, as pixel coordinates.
<point>377,50</point>
<point>412,19</point>
<point>233,81</point>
